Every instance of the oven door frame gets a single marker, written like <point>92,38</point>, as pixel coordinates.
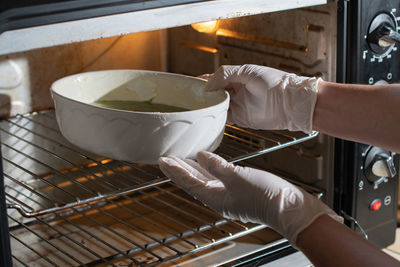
<point>5,257</point>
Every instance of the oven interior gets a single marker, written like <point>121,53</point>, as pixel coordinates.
<point>68,207</point>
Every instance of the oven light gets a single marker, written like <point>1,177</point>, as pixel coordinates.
<point>206,27</point>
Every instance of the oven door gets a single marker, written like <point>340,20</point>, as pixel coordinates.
<point>5,259</point>
<point>27,25</point>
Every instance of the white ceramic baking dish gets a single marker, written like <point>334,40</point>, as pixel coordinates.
<point>139,136</point>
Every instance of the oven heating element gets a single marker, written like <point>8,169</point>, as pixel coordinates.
<point>67,207</point>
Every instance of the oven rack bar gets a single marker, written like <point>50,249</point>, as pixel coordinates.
<point>278,139</point>
<point>55,175</point>
<point>147,227</point>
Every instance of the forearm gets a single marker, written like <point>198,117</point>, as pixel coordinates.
<point>361,113</point>
<point>329,243</point>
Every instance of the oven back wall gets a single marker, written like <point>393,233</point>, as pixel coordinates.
<point>302,41</point>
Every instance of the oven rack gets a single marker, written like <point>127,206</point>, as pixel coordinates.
<point>68,207</point>
<point>44,173</point>
<point>155,225</point>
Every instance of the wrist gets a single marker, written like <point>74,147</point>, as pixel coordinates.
<point>299,99</point>
<point>304,211</point>
<point>313,231</point>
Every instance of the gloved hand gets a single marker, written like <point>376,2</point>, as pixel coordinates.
<point>246,194</point>
<point>267,98</point>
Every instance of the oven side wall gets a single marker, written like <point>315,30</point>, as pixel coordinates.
<point>26,77</point>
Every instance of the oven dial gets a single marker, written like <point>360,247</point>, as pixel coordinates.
<point>381,82</point>
<point>378,166</point>
<point>382,34</point>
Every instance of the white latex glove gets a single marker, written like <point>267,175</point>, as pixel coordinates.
<point>246,194</point>
<point>267,98</point>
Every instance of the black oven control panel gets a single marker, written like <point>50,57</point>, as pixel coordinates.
<point>376,193</point>
<point>378,55</point>
<point>367,185</point>
<point>366,177</point>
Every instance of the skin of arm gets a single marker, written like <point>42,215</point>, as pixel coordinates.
<point>329,243</point>
<point>361,113</point>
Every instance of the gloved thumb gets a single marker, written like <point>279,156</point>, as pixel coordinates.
<point>224,76</point>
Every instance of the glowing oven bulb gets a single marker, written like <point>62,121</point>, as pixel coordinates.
<point>206,27</point>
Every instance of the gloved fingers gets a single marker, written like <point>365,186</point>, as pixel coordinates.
<point>219,167</point>
<point>228,75</point>
<point>181,172</point>
<point>237,113</point>
<point>223,77</point>
<point>202,174</point>
<point>210,191</point>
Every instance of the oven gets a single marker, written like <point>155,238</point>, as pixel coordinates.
<point>63,206</point>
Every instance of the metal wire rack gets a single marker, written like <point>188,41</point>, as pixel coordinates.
<point>74,208</point>
<point>153,225</point>
<point>54,175</point>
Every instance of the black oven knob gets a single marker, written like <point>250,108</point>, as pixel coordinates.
<point>382,34</point>
<point>379,166</point>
